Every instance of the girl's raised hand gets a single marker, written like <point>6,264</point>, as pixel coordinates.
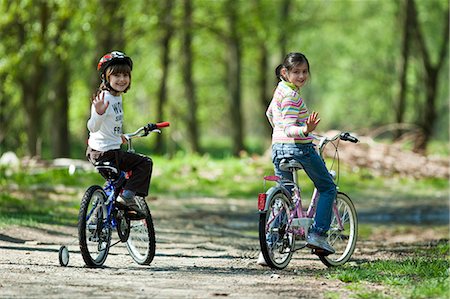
<point>100,104</point>
<point>311,123</point>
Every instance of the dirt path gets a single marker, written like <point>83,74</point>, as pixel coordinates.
<point>206,248</point>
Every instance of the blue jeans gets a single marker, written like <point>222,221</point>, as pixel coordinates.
<point>316,170</point>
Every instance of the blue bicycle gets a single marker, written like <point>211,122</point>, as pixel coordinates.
<point>99,215</point>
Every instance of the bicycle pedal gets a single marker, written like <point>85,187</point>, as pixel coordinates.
<point>133,215</point>
<point>121,206</point>
<point>299,246</point>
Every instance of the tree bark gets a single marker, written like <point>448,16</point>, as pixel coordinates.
<point>431,79</point>
<point>234,80</point>
<point>264,95</point>
<point>60,129</point>
<point>283,37</point>
<point>407,28</point>
<point>167,26</point>
<point>189,86</point>
<point>31,83</point>
<point>3,115</point>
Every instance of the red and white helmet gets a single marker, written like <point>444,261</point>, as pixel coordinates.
<point>115,57</point>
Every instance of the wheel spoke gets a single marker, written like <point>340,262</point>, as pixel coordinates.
<point>343,232</point>
<point>274,233</point>
<point>141,242</point>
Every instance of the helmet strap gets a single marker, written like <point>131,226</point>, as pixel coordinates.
<point>110,87</point>
<point>107,84</point>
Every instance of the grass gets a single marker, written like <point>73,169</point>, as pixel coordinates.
<point>425,274</point>
<point>42,196</point>
<point>38,192</point>
<point>188,175</point>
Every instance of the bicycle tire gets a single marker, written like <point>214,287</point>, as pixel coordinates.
<point>123,227</point>
<point>276,242</point>
<point>94,238</point>
<point>141,243</point>
<point>343,241</point>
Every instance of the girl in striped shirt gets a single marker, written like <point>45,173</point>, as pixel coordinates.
<point>292,122</point>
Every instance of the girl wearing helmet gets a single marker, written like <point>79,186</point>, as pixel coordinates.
<point>105,129</point>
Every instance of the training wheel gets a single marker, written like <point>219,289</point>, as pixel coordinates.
<point>63,256</point>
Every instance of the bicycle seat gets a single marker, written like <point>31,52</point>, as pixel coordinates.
<point>290,165</point>
<point>107,169</point>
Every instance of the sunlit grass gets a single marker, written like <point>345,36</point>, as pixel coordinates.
<point>29,210</point>
<point>39,191</point>
<point>423,275</point>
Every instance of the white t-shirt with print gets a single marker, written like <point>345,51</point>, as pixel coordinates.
<point>105,130</point>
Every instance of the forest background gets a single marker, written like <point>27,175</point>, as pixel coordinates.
<point>208,68</point>
<point>379,68</point>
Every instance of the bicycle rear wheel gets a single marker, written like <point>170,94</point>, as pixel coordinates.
<point>342,236</point>
<point>94,235</point>
<point>141,242</point>
<point>276,241</point>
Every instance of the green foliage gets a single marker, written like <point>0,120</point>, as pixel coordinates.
<point>189,175</point>
<point>52,195</point>
<point>42,196</point>
<point>32,207</point>
<point>353,48</point>
<point>47,177</point>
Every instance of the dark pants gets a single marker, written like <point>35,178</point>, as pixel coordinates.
<point>140,166</point>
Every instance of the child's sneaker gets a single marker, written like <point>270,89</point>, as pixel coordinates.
<point>316,241</point>
<point>133,209</point>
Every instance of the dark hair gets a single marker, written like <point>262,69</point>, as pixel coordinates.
<point>110,70</point>
<point>290,61</point>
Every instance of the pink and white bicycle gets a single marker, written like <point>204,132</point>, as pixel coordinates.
<point>283,223</point>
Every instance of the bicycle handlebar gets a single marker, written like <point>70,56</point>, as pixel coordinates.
<point>145,130</point>
<point>345,136</point>
<point>163,124</point>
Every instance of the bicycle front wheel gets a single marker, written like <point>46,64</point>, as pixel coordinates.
<point>142,242</point>
<point>343,231</point>
<point>94,235</point>
<point>275,238</point>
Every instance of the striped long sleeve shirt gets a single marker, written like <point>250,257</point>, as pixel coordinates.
<point>287,113</point>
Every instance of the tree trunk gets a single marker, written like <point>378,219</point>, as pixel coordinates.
<point>431,80</point>
<point>283,37</point>
<point>234,81</point>
<point>407,27</point>
<point>30,98</point>
<point>189,87</point>
<point>31,83</point>
<point>165,51</point>
<point>4,127</point>
<point>264,95</point>
<point>59,129</point>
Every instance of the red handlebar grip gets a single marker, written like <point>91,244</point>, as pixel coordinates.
<point>163,124</point>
